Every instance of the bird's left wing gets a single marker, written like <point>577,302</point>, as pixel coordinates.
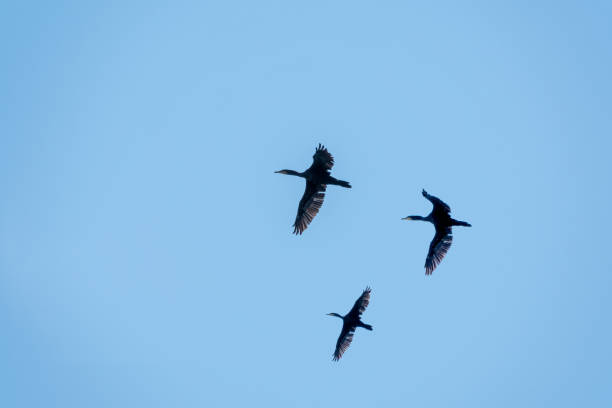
<point>439,246</point>
<point>344,341</point>
<point>309,206</point>
<point>360,304</point>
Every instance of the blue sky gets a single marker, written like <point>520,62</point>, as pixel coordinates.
<point>146,254</point>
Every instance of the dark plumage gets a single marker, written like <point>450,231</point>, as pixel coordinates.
<point>441,219</point>
<point>317,178</point>
<point>351,321</point>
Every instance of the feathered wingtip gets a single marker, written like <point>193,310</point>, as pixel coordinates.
<point>323,157</point>
<point>437,253</point>
<point>307,212</point>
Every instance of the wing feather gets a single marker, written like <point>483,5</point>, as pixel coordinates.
<point>344,341</point>
<point>437,203</point>
<point>361,303</point>
<point>322,160</point>
<point>438,248</point>
<point>309,206</point>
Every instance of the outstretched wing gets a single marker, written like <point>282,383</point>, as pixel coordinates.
<point>309,206</point>
<point>322,160</point>
<point>437,203</point>
<point>360,304</point>
<point>344,341</point>
<point>437,249</point>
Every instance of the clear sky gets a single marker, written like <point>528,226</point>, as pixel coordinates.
<point>146,254</point>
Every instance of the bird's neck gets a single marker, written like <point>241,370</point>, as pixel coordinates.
<point>293,173</point>
<point>420,218</point>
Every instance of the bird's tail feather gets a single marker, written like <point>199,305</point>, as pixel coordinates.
<point>366,326</point>
<point>461,223</point>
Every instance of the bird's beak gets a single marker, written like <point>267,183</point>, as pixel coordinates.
<point>407,218</point>
<point>280,171</point>
<point>329,314</point>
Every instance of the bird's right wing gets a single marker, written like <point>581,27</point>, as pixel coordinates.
<point>344,341</point>
<point>439,246</point>
<point>436,201</point>
<point>309,206</point>
<point>360,304</point>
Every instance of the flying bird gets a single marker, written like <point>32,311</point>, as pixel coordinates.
<point>350,322</point>
<point>317,178</point>
<point>441,219</point>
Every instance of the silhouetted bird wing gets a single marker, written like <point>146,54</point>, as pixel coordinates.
<point>322,160</point>
<point>439,246</point>
<point>436,202</point>
<point>360,304</point>
<point>344,341</point>
<point>309,206</point>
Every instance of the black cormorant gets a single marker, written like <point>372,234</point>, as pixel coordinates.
<point>441,219</point>
<point>317,178</point>
<point>350,322</point>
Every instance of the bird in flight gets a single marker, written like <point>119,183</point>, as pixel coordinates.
<point>442,221</point>
<point>350,322</point>
<point>317,178</point>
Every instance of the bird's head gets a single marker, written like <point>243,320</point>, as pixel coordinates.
<point>282,172</point>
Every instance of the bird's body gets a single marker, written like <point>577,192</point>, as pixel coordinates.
<point>350,322</point>
<point>442,221</point>
<point>317,178</point>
